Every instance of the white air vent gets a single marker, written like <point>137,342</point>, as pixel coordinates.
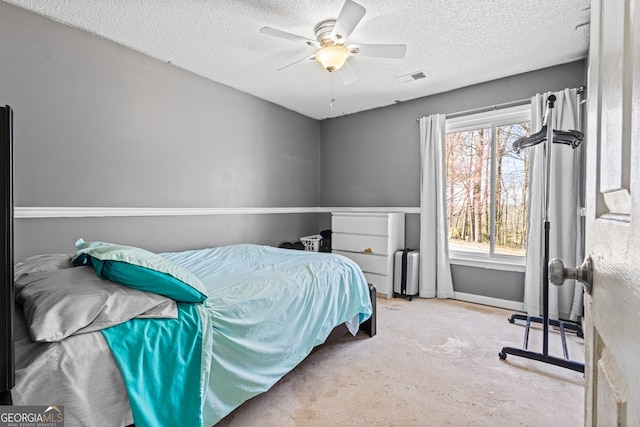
<point>411,77</point>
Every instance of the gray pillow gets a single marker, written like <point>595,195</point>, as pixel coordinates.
<point>42,263</point>
<point>59,300</point>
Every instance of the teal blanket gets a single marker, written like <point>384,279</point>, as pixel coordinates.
<point>160,360</point>
<point>267,309</point>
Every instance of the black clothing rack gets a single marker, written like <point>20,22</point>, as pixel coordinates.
<point>572,138</point>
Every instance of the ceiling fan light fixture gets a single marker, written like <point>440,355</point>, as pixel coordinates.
<point>332,57</point>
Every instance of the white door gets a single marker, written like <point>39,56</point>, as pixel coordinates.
<point>612,332</point>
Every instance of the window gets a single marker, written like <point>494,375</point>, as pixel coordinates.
<point>487,183</point>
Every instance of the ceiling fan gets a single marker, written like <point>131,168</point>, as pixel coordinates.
<point>331,43</point>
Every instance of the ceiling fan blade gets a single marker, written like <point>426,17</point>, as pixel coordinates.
<point>347,74</point>
<point>349,17</point>
<point>288,36</point>
<point>312,58</point>
<point>379,50</point>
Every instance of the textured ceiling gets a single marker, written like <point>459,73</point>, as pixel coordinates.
<point>455,42</point>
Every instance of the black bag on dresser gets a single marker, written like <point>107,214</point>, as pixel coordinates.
<point>325,243</point>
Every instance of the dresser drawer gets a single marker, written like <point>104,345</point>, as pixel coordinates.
<point>361,224</point>
<point>358,243</point>
<point>368,263</point>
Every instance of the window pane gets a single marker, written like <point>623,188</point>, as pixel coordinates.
<point>511,190</point>
<point>468,174</point>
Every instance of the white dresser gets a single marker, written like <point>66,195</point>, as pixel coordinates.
<point>370,239</point>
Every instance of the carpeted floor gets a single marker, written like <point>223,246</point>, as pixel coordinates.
<point>433,363</point>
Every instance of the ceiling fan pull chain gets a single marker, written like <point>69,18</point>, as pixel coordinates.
<point>332,97</point>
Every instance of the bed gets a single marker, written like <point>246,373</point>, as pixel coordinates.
<point>117,335</point>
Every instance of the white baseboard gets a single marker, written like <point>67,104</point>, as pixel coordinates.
<point>494,302</point>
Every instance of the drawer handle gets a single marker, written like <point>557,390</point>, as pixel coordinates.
<point>367,251</point>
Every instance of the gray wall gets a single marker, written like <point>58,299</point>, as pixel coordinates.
<point>100,125</point>
<point>500,284</point>
<point>97,124</point>
<point>373,158</point>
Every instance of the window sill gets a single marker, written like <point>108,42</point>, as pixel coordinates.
<point>515,264</point>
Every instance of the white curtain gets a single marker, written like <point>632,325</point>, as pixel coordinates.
<point>565,302</point>
<point>435,271</point>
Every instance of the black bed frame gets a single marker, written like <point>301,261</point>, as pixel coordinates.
<point>7,354</point>
<point>369,325</point>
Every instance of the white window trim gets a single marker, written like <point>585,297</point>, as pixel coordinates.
<point>519,113</point>
<point>498,117</point>
<point>495,262</point>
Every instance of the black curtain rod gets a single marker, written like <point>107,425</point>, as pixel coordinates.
<point>494,107</point>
